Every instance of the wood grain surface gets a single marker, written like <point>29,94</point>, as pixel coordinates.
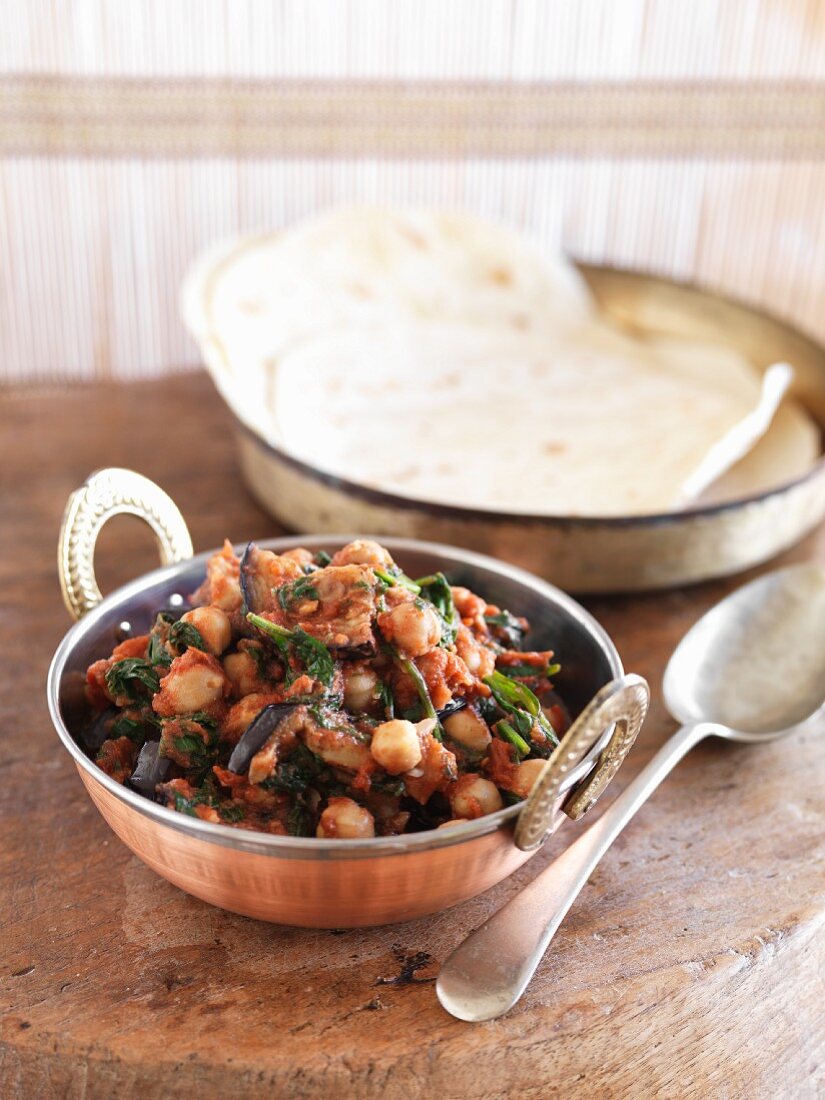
<point>693,965</point>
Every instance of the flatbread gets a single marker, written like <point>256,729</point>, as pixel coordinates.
<point>579,422</point>
<point>258,298</point>
<point>444,358</point>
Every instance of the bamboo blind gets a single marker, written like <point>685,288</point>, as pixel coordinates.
<point>687,139</point>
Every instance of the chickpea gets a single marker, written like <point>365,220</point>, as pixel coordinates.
<point>479,660</point>
<point>438,769</point>
<point>242,673</point>
<point>396,747</point>
<point>414,628</point>
<point>213,626</point>
<point>242,713</point>
<point>344,819</point>
<point>299,554</point>
<point>468,604</point>
<point>360,684</point>
<point>453,821</point>
<point>222,586</point>
<point>526,775</point>
<point>363,552</point>
<point>468,729</point>
<point>473,796</point>
<point>396,595</point>
<point>194,681</point>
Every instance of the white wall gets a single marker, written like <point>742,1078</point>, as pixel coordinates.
<point>93,245</point>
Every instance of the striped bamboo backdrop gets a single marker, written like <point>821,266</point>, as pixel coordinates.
<point>683,138</point>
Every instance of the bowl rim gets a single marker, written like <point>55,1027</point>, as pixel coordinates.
<point>385,498</point>
<point>312,847</point>
<point>382,498</point>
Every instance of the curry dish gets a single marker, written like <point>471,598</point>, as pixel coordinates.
<point>310,695</point>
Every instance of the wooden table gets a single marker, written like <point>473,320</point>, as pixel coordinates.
<point>692,965</point>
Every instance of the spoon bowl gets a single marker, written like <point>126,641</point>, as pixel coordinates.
<point>755,663</point>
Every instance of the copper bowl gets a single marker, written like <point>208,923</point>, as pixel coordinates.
<point>333,883</point>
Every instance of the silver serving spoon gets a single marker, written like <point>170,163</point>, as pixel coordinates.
<point>751,670</point>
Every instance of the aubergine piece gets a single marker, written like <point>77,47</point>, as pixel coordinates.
<point>342,609</point>
<point>251,588</point>
<point>335,604</point>
<point>254,737</point>
<point>261,573</point>
<point>99,730</point>
<point>150,769</point>
<point>453,707</point>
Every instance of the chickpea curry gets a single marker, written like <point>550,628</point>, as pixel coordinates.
<point>310,695</point>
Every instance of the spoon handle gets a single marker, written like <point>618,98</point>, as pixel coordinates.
<point>487,973</point>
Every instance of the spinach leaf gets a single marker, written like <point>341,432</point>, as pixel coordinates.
<point>203,719</point>
<point>436,590</point>
<point>183,635</point>
<point>391,579</point>
<point>528,672</point>
<point>325,716</point>
<point>386,699</point>
<point>295,591</point>
<point>157,653</point>
<point>190,744</point>
<point>506,731</point>
<point>193,736</point>
<point>519,702</point>
<point>298,820</point>
<point>314,655</point>
<point>132,678</point>
<point>423,694</point>
<point>127,727</point>
<point>259,656</point>
<point>136,728</point>
<point>297,772</point>
<point>203,796</point>
<point>388,784</point>
<point>509,626</point>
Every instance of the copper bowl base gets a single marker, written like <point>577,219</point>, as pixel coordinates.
<point>313,893</point>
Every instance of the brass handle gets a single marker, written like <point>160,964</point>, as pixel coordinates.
<point>107,493</point>
<point>623,704</point>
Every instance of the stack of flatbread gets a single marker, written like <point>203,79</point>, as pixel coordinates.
<point>444,358</point>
